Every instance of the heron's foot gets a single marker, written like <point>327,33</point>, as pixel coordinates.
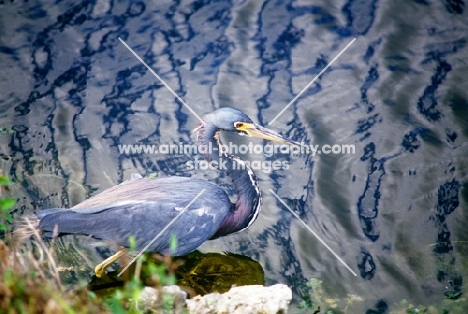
<point>100,269</point>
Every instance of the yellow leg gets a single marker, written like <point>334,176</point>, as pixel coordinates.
<point>101,268</point>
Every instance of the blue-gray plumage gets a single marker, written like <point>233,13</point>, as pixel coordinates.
<point>142,207</point>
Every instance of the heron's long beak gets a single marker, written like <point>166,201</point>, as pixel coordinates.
<point>255,130</point>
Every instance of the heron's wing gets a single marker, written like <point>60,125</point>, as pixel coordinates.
<point>150,223</point>
<point>143,208</point>
<point>178,190</point>
<point>94,209</point>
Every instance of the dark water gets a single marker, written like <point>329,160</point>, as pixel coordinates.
<point>395,210</point>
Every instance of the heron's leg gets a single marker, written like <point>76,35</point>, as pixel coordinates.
<point>101,268</point>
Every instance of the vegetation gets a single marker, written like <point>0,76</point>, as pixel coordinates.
<point>30,280</point>
<point>6,204</point>
<point>29,285</point>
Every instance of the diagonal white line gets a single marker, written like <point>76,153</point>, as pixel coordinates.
<point>161,80</point>
<point>312,231</point>
<point>161,232</point>
<point>311,82</point>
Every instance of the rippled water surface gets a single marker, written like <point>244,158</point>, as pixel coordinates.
<point>395,210</point>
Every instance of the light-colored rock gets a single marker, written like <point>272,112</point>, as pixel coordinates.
<point>244,300</point>
<point>169,297</point>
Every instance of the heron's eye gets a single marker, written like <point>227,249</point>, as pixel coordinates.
<point>238,124</point>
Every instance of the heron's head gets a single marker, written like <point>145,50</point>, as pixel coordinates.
<point>233,120</point>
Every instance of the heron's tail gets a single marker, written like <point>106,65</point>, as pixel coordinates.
<point>55,221</point>
<point>37,225</point>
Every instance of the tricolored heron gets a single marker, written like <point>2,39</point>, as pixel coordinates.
<point>143,207</point>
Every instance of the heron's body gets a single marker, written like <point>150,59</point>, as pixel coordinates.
<point>143,207</point>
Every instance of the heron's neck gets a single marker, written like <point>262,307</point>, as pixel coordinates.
<point>249,203</point>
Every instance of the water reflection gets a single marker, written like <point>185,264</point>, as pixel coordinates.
<point>72,93</point>
<point>210,272</point>
<point>197,273</point>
